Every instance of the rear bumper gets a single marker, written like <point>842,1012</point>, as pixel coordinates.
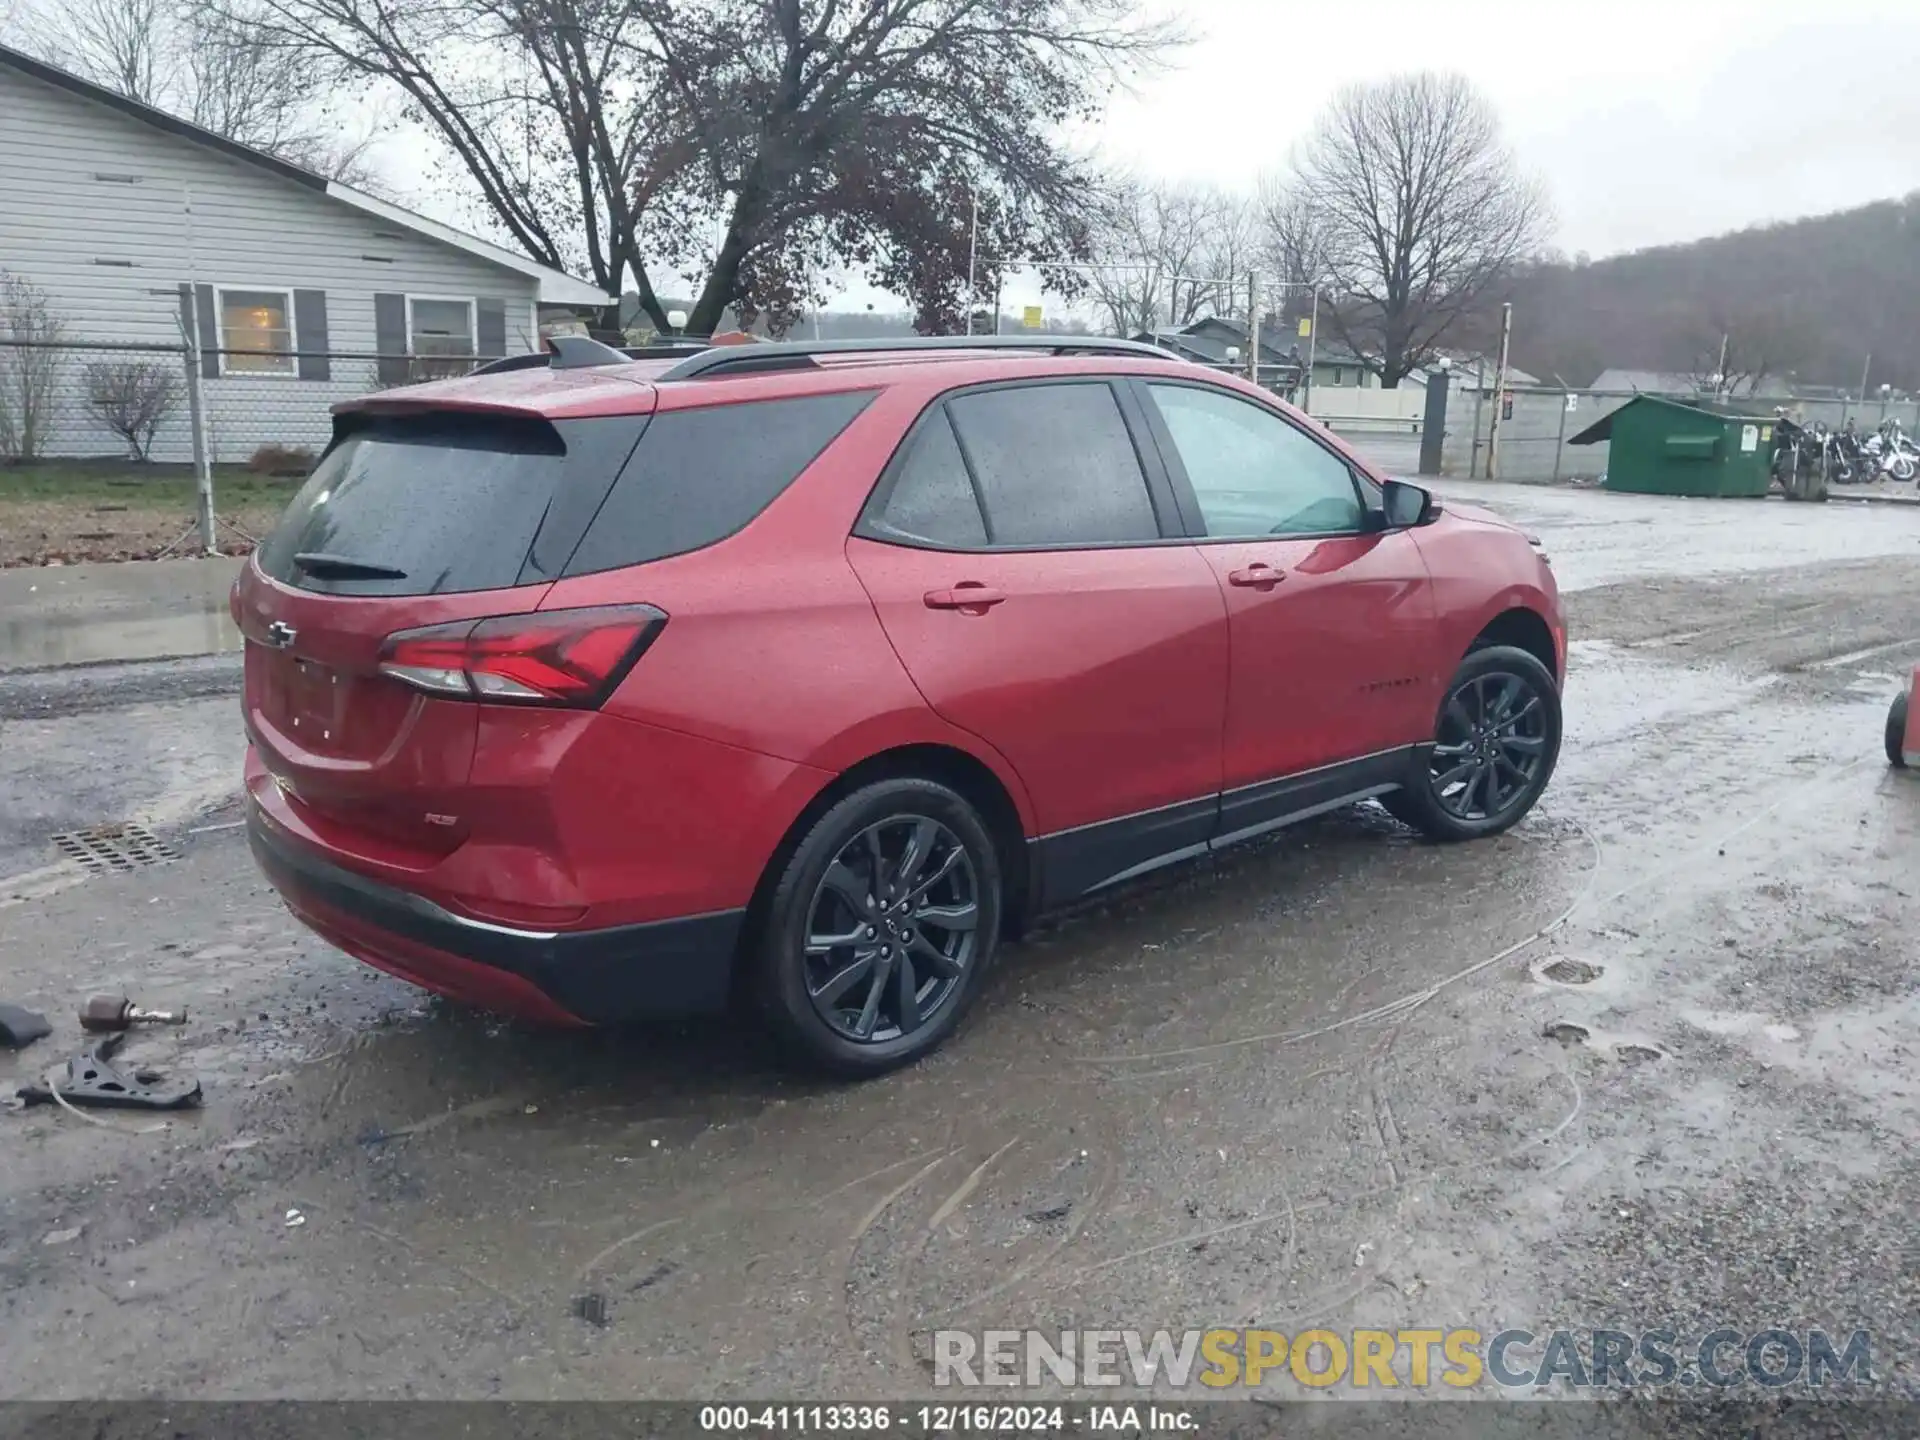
<point>596,977</point>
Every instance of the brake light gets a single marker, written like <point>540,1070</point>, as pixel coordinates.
<point>573,658</point>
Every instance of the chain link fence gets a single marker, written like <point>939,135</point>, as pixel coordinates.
<point>114,451</point>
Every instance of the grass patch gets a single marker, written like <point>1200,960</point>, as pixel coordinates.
<point>68,511</point>
<point>151,487</point>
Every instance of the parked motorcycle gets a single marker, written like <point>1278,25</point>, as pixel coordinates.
<point>1797,466</point>
<point>1890,453</point>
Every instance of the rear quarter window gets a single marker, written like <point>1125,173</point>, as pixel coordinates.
<point>698,476</point>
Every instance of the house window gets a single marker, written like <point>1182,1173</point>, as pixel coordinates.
<point>1339,376</point>
<point>256,332</point>
<point>440,327</point>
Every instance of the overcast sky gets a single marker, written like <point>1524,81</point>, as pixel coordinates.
<point>1650,121</point>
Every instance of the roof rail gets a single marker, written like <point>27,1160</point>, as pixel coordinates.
<point>798,354</point>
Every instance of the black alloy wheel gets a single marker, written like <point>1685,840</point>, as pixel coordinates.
<point>1496,741</point>
<point>892,929</point>
<point>1491,745</point>
<point>873,939</point>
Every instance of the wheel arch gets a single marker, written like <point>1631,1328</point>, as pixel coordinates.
<point>964,773</point>
<point>1524,629</point>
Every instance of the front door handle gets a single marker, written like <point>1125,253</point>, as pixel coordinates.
<point>1259,575</point>
<point>969,596</point>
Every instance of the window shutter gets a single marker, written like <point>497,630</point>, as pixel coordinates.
<point>491,321</point>
<point>207,332</point>
<point>390,338</point>
<point>310,334</point>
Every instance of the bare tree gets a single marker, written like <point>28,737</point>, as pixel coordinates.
<point>1292,249</point>
<point>1169,254</point>
<point>1744,345</point>
<point>29,368</point>
<point>1229,252</point>
<point>749,145</point>
<point>1406,197</point>
<point>179,57</point>
<point>1142,238</point>
<point>132,398</point>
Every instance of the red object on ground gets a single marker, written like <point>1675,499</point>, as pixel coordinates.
<point>1912,743</point>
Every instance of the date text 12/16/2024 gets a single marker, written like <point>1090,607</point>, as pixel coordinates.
<point>913,1419</point>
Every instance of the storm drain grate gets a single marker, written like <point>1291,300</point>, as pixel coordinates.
<point>115,849</point>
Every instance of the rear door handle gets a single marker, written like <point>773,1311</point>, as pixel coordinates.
<point>1259,575</point>
<point>967,595</point>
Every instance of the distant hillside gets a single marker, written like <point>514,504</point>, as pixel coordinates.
<point>1808,298</point>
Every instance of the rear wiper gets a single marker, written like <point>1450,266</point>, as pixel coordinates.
<point>344,567</point>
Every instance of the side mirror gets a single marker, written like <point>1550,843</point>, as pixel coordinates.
<point>1406,506</point>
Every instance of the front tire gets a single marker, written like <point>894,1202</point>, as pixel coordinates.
<point>1496,741</point>
<point>880,929</point>
<point>1897,733</point>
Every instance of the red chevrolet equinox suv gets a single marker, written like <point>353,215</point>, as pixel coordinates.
<point>592,687</point>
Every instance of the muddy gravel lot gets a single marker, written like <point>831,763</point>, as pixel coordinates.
<point>1650,1060</point>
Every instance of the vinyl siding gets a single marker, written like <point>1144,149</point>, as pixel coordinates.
<point>113,253</point>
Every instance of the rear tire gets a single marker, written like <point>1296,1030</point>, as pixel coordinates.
<point>1496,741</point>
<point>1897,733</point>
<point>902,877</point>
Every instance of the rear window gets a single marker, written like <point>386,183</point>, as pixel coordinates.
<point>420,505</point>
<point>697,476</point>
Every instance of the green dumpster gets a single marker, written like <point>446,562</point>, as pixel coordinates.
<point>1661,446</point>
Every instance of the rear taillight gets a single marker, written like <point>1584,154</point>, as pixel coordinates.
<point>555,657</point>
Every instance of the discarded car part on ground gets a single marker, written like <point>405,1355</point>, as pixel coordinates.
<point>109,1013</point>
<point>91,1078</point>
<point>20,1027</point>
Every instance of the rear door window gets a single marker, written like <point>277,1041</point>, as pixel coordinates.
<point>420,505</point>
<point>1055,465</point>
<point>698,476</point>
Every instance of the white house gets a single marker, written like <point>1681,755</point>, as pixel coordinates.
<point>135,223</point>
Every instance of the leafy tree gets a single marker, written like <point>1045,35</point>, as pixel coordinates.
<point>750,144</point>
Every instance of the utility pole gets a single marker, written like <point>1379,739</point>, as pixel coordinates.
<point>1253,326</point>
<point>1720,370</point>
<point>1499,394</point>
<point>1313,338</point>
<point>1864,371</point>
<point>973,260</point>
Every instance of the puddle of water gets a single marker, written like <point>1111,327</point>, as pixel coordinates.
<point>36,640</point>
